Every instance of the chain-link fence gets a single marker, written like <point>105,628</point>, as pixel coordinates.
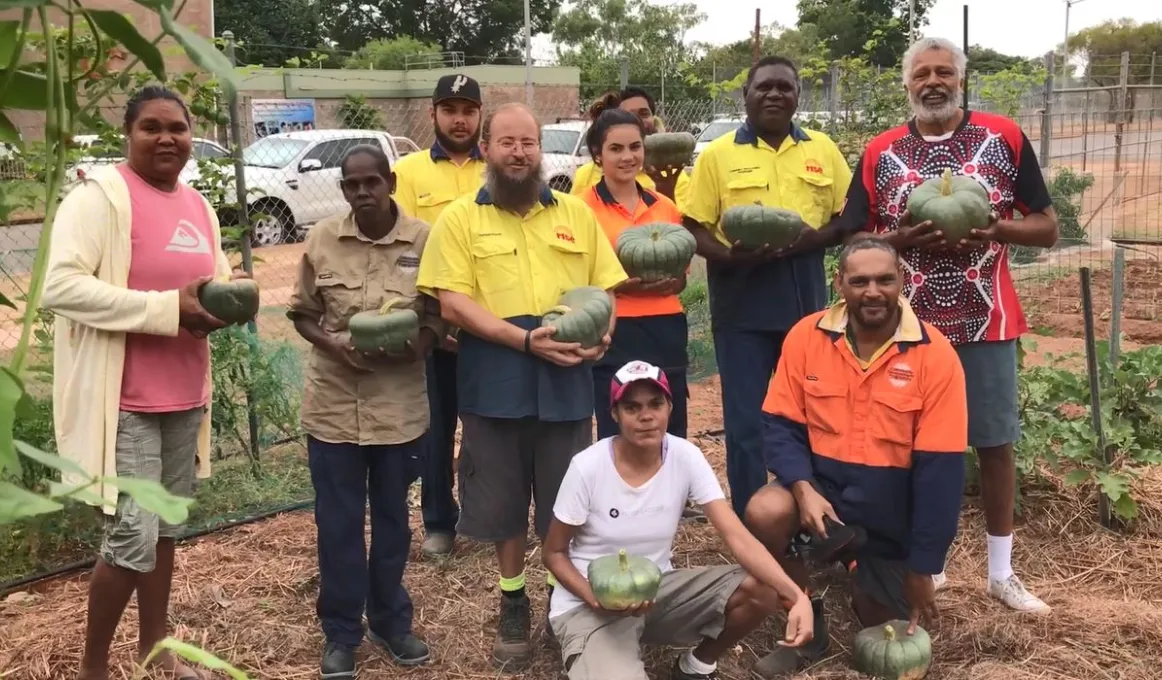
<point>1099,142</point>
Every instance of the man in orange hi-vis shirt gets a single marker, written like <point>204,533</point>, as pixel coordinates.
<point>865,428</point>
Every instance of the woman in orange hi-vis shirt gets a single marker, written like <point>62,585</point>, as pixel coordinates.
<point>651,324</point>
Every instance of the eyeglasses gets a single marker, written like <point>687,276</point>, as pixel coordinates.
<point>526,145</point>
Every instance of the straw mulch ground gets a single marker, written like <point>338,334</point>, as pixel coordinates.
<point>248,595</point>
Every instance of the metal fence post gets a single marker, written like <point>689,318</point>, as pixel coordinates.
<point>244,222</point>
<point>834,104</point>
<point>1120,121</point>
<point>1047,111</point>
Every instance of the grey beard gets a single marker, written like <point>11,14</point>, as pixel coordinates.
<point>940,114</point>
<point>512,194</point>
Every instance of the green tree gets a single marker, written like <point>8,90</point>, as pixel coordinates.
<point>270,32</point>
<point>846,26</point>
<point>594,35</point>
<point>987,60</point>
<point>481,29</point>
<point>1102,47</point>
<point>391,54</point>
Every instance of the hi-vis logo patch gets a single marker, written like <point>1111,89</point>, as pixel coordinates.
<point>813,166</point>
<point>900,374</point>
<point>459,82</point>
<point>565,234</point>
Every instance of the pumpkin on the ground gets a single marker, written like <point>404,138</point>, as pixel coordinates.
<point>653,252</point>
<point>669,149</point>
<point>757,224</point>
<point>621,581</point>
<point>234,301</point>
<point>955,205</point>
<point>385,328</point>
<point>581,315</point>
<point>887,652</point>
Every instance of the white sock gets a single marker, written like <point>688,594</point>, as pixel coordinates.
<point>1000,557</point>
<point>690,664</point>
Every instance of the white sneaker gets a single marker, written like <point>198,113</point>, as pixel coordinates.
<point>1013,594</point>
<point>939,581</point>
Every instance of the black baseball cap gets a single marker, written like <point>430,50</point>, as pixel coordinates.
<point>457,86</point>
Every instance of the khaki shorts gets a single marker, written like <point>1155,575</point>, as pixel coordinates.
<point>162,447</point>
<point>690,607</point>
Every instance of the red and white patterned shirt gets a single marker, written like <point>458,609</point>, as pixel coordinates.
<point>969,296</point>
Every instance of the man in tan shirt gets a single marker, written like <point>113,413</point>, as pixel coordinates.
<point>365,414</point>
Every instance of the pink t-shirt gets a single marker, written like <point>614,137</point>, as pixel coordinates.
<point>172,245</point>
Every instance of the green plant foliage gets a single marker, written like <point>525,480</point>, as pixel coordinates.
<point>1057,429</point>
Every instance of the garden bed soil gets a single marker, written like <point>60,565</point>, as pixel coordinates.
<point>248,595</point>
<point>1055,307</point>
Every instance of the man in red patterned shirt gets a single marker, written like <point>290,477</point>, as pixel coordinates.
<point>964,290</point>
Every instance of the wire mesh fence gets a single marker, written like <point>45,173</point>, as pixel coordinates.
<point>1099,143</point>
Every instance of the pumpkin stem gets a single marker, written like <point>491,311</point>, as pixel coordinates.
<point>946,182</point>
<point>560,309</point>
<point>889,633</point>
<point>622,559</point>
<point>389,305</point>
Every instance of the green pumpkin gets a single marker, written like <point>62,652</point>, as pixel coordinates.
<point>581,315</point>
<point>230,301</point>
<point>621,581</point>
<point>653,252</point>
<point>955,205</point>
<point>757,224</point>
<point>669,149</point>
<point>385,328</point>
<point>887,652</point>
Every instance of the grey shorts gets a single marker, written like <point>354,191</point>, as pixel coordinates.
<point>882,580</point>
<point>990,377</point>
<point>690,607</point>
<point>157,446</point>
<point>506,463</point>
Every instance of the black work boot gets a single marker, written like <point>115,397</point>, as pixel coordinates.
<point>338,662</point>
<point>405,650</point>
<point>512,648</point>
<point>783,662</point>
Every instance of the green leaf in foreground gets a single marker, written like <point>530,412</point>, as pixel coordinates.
<point>3,298</point>
<point>196,655</point>
<point>1077,477</point>
<point>51,460</point>
<point>16,503</point>
<point>118,27</point>
<point>22,4</point>
<point>77,493</point>
<point>201,51</point>
<point>11,393</point>
<point>9,135</point>
<point>153,497</point>
<point>27,90</point>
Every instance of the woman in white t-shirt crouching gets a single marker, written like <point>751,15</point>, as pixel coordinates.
<point>628,491</point>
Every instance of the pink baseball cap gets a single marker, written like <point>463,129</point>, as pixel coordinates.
<point>633,371</point>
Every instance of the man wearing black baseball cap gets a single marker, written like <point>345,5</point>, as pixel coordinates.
<point>426,184</point>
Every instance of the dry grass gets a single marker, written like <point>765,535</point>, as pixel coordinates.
<point>248,595</point>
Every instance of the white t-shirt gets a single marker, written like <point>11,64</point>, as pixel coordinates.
<point>613,515</point>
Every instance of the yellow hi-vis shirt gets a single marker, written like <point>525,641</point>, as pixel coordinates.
<point>427,182</point>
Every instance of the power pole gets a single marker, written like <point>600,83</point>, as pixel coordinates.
<point>1065,45</point>
<point>528,56</point>
<point>758,34</point>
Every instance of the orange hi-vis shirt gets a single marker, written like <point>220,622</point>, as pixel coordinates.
<point>883,442</point>
<point>614,218</point>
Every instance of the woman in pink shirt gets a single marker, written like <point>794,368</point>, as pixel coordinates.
<point>132,249</point>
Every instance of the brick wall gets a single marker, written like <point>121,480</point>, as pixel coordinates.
<point>410,117</point>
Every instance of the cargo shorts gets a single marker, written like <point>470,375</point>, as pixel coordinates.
<point>161,447</point>
<point>690,607</point>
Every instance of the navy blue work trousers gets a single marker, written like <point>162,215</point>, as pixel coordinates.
<point>437,500</point>
<point>746,362</point>
<point>346,478</point>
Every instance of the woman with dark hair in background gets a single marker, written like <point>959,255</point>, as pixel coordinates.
<point>651,324</point>
<point>131,385</point>
<point>669,182</point>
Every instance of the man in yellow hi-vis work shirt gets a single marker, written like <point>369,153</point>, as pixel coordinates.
<point>428,183</point>
<point>757,296</point>
<point>497,261</point>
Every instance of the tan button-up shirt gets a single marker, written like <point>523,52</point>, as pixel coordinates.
<point>344,272</point>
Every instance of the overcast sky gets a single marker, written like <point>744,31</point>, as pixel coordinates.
<point>1022,27</point>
